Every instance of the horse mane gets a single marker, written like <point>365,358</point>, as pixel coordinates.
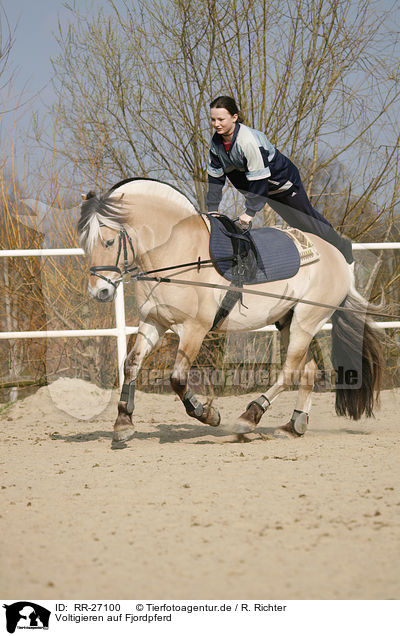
<point>154,188</point>
<point>108,209</point>
<point>95,212</point>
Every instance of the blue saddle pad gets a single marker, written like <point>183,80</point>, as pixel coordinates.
<point>266,254</point>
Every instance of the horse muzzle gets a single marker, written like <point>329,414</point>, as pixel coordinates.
<point>103,292</point>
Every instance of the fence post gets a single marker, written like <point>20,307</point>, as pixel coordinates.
<point>121,331</point>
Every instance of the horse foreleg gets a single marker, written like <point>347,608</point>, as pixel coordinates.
<point>189,346</point>
<point>147,337</point>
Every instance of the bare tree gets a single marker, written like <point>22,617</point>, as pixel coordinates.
<point>320,78</point>
<point>6,43</point>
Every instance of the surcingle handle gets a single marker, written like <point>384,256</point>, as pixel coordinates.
<point>193,407</point>
<point>128,396</point>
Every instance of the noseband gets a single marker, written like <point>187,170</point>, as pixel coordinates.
<point>124,240</point>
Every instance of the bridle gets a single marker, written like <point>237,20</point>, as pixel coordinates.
<point>124,240</point>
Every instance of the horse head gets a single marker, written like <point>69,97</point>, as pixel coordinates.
<point>104,238</point>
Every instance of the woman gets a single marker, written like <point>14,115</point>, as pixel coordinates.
<point>256,168</point>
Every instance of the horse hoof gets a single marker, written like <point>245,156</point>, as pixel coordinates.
<point>215,419</point>
<point>123,434</point>
<point>297,425</point>
<point>210,415</point>
<point>291,430</point>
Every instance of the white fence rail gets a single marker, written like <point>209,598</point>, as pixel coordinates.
<point>121,329</point>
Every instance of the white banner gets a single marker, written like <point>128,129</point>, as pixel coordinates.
<point>314,618</point>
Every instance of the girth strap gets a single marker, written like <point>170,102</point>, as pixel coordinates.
<point>232,297</point>
<point>228,302</point>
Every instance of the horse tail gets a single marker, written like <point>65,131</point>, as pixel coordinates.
<point>357,357</point>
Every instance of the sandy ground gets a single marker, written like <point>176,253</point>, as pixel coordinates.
<point>187,512</point>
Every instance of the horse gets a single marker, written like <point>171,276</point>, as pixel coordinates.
<point>144,225</point>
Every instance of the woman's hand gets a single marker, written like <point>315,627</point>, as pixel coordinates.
<point>245,218</point>
<point>245,221</point>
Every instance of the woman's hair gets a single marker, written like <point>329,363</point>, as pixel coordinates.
<point>224,101</point>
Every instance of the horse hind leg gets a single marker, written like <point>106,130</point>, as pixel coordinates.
<point>298,424</point>
<point>189,346</point>
<point>291,373</point>
<point>256,409</point>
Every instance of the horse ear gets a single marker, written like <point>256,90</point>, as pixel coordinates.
<point>89,195</point>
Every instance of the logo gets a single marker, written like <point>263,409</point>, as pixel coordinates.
<point>26,615</point>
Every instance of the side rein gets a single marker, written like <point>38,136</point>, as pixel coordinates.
<point>124,241</point>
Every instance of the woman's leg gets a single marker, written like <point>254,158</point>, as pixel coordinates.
<point>295,208</point>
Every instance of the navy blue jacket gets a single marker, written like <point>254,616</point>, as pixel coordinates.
<point>253,165</point>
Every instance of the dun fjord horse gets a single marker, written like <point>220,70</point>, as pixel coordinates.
<point>143,225</point>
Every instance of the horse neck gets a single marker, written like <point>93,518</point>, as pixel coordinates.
<point>163,231</point>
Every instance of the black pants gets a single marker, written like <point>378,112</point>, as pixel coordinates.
<point>295,208</point>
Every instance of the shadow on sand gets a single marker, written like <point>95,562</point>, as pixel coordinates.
<point>195,434</point>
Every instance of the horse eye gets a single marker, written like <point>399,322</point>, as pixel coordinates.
<point>110,242</point>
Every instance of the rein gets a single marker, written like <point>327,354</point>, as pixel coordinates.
<point>125,241</point>
<point>158,279</point>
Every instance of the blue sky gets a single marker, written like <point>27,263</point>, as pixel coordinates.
<point>35,23</point>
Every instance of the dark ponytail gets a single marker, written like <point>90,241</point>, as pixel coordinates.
<point>224,101</point>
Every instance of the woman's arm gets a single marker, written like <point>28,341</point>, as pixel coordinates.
<point>256,196</point>
<point>214,194</point>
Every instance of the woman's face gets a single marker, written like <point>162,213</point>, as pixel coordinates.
<point>223,121</point>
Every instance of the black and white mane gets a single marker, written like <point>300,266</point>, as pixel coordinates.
<point>108,209</point>
<point>97,211</point>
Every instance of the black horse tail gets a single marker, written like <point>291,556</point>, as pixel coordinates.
<point>357,357</point>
